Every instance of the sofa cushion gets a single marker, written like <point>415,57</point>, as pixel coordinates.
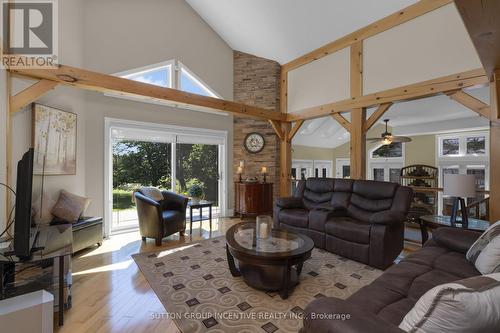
<point>295,217</point>
<point>172,216</point>
<point>488,235</point>
<point>318,193</point>
<point>349,229</point>
<point>469,305</point>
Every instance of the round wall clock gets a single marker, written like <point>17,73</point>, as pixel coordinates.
<point>254,143</point>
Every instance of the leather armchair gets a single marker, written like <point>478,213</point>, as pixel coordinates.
<point>159,219</point>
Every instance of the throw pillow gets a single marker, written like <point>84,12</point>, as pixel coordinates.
<point>69,207</point>
<point>152,192</point>
<point>479,245</point>
<point>488,260</point>
<point>469,305</point>
<point>41,208</point>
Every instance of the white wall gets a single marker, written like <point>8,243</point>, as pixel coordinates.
<point>3,145</point>
<point>319,82</point>
<point>126,34</point>
<point>110,36</point>
<point>430,46</point>
<point>433,45</point>
<point>68,99</point>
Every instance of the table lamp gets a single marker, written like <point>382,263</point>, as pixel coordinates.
<point>240,172</point>
<point>460,187</point>
<point>263,171</point>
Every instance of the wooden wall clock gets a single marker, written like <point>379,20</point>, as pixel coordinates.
<point>254,143</point>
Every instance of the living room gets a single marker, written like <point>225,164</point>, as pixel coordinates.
<point>172,131</point>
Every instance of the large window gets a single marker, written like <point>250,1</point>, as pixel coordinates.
<point>168,157</point>
<point>463,153</point>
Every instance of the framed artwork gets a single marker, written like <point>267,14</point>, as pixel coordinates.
<point>54,141</point>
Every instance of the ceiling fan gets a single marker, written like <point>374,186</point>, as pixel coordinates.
<point>387,138</point>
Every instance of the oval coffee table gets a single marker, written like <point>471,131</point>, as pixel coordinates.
<point>272,264</point>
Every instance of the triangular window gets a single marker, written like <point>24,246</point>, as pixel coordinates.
<point>160,76</point>
<point>190,83</point>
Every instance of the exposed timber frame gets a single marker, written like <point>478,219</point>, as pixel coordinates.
<point>89,80</point>
<point>383,100</point>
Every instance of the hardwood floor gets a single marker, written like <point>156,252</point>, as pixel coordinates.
<point>109,292</point>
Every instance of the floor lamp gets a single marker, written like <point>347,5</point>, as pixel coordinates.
<point>459,187</point>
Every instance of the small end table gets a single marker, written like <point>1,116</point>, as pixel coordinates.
<point>437,221</point>
<point>202,204</point>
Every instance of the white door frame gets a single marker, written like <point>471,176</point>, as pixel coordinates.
<point>109,123</point>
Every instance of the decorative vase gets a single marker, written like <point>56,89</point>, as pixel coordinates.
<point>195,201</point>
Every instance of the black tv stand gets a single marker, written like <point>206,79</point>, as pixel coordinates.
<point>53,243</point>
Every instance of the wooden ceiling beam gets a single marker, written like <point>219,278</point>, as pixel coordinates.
<point>30,94</point>
<point>294,129</point>
<point>406,14</point>
<point>94,81</point>
<point>376,116</point>
<point>277,128</point>
<point>472,103</point>
<point>342,121</point>
<point>414,91</point>
<point>481,18</point>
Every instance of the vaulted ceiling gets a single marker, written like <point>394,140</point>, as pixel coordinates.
<point>283,30</point>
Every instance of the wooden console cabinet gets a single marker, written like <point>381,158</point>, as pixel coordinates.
<point>252,199</point>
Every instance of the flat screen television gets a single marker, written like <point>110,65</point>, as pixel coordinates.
<point>29,188</point>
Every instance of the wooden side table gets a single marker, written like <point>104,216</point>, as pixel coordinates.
<point>199,218</point>
<point>438,221</point>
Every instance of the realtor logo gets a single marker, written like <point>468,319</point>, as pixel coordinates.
<point>29,33</point>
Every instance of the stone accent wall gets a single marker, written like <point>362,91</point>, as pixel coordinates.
<point>256,82</point>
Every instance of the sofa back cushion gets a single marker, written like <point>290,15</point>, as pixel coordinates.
<point>342,193</point>
<point>369,197</point>
<point>318,193</point>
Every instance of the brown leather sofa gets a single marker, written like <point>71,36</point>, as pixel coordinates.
<point>382,305</point>
<point>159,219</point>
<point>357,219</point>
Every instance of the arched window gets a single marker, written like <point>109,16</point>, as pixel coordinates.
<point>386,161</point>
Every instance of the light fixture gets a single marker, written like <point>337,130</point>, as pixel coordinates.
<point>387,138</point>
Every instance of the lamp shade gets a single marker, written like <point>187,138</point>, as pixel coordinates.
<point>463,186</point>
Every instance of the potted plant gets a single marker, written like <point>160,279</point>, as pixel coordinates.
<point>196,193</point>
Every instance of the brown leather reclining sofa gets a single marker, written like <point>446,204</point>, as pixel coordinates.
<point>382,305</point>
<point>357,219</point>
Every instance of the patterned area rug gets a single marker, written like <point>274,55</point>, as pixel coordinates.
<point>199,293</point>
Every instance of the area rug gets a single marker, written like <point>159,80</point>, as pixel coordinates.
<point>199,293</point>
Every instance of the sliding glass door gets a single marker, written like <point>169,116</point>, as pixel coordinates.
<point>169,158</point>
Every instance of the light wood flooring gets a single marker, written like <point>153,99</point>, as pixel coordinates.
<point>109,292</point>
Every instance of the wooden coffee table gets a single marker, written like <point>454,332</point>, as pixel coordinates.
<point>272,264</point>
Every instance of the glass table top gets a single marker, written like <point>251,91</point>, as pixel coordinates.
<point>279,241</point>
<point>474,224</point>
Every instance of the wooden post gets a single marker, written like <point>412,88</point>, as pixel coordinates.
<point>358,115</point>
<point>285,142</point>
<point>286,161</point>
<point>495,149</point>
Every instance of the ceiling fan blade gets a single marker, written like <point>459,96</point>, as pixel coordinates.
<point>400,139</point>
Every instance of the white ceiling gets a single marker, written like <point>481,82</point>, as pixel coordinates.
<point>283,30</point>
<point>429,115</point>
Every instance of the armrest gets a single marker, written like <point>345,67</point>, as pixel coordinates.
<point>146,200</point>
<point>355,319</point>
<point>174,201</point>
<point>387,217</point>
<point>455,239</point>
<point>290,202</point>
